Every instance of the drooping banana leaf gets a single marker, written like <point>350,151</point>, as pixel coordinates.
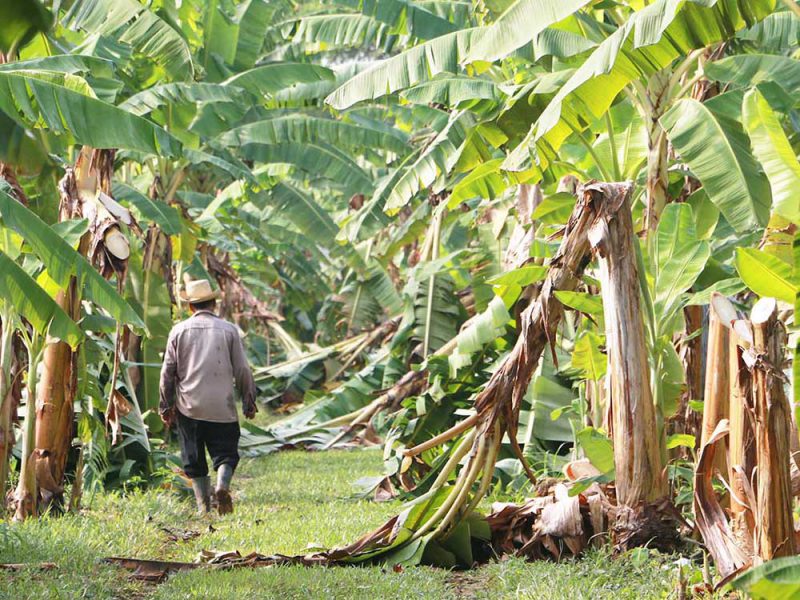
<point>62,262</point>
<point>301,129</point>
<point>255,18</point>
<point>452,90</point>
<point>271,78</point>
<point>315,160</point>
<point>340,30</point>
<point>163,215</point>
<point>41,103</point>
<point>775,154</point>
<point>138,26</point>
<point>181,93</point>
<point>650,40</point>
<point>64,63</point>
<point>438,158</point>
<point>778,31</point>
<point>406,17</point>
<point>420,63</point>
<point>32,302</point>
<point>147,290</point>
<point>717,152</point>
<point>751,69</point>
<point>521,23</point>
<point>301,210</point>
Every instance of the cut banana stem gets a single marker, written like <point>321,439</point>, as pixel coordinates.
<point>724,309</point>
<point>117,244</point>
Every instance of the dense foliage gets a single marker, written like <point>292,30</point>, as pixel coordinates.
<point>379,187</point>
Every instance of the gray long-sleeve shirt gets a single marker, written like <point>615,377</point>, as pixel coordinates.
<point>203,360</point>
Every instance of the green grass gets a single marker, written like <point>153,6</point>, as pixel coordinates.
<point>284,502</point>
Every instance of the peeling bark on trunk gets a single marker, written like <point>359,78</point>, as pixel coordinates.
<point>10,366</point>
<point>715,397</point>
<point>774,523</point>
<point>730,557</point>
<point>522,236</point>
<point>498,405</point>
<point>741,446</point>
<point>643,515</point>
<point>26,494</point>
<point>59,382</point>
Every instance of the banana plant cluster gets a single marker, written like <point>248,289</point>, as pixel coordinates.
<point>356,169</point>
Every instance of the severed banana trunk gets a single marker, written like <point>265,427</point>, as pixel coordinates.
<point>644,513</point>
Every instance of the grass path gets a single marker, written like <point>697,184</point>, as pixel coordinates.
<point>283,503</point>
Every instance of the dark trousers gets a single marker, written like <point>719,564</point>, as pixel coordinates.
<point>221,440</point>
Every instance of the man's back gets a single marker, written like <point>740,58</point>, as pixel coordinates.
<point>203,359</point>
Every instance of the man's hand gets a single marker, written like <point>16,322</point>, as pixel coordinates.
<point>250,411</point>
<point>168,417</point>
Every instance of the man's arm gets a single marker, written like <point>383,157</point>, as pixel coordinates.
<point>243,377</point>
<point>168,383</point>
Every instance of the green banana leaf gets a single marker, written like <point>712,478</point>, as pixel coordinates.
<point>301,129</point>
<point>268,79</point>
<point>650,40</point>
<point>767,275</point>
<point>138,26</point>
<point>718,154</point>
<point>340,30</point>
<point>775,153</point>
<point>147,290</point>
<point>32,302</point>
<point>521,23</point>
<point>22,19</point>
<point>63,263</point>
<point>36,102</point>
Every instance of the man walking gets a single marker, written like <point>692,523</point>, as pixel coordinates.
<point>203,360</point>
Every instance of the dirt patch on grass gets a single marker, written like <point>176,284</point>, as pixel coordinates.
<point>468,584</point>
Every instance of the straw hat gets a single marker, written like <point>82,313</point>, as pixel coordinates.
<point>198,291</point>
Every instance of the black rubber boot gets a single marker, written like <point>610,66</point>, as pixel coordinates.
<point>202,493</point>
<point>223,494</point>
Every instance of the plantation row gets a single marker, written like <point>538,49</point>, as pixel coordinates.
<point>538,247</point>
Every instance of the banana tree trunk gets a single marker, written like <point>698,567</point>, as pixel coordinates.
<point>715,398</point>
<point>741,446</point>
<point>151,284</point>
<point>774,523</point>
<point>25,497</point>
<point>59,381</point>
<point>9,392</point>
<point>642,514</point>
<point>85,193</point>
